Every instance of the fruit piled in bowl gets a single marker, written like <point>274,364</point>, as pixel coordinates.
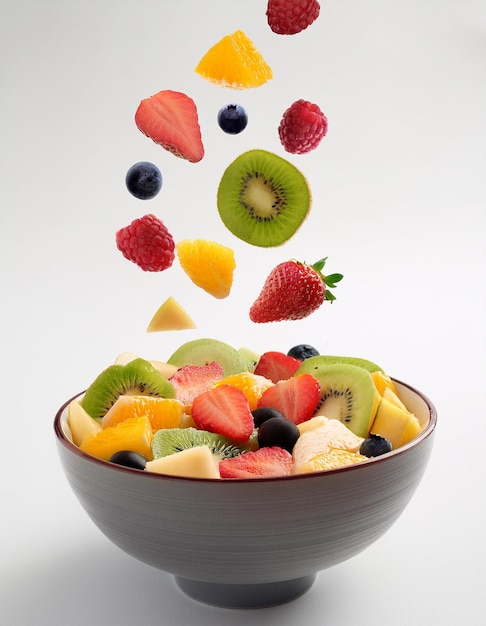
<point>212,411</point>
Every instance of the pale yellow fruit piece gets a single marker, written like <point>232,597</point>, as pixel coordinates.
<point>312,424</point>
<point>334,434</point>
<point>197,462</point>
<point>332,459</point>
<point>392,397</point>
<point>81,423</point>
<point>166,369</point>
<point>395,424</point>
<point>170,316</point>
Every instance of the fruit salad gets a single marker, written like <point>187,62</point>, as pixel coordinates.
<point>212,411</point>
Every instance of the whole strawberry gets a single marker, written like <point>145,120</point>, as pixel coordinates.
<point>148,243</point>
<point>289,17</point>
<point>292,291</point>
<point>302,127</point>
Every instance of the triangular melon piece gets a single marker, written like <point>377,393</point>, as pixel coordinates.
<point>170,316</point>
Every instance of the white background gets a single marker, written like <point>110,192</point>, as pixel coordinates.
<point>399,208</point>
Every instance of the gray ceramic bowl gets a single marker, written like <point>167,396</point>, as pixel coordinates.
<point>249,543</point>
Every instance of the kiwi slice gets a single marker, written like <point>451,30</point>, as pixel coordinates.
<point>325,359</point>
<point>170,440</point>
<point>263,199</point>
<point>202,351</point>
<point>348,394</point>
<point>136,377</point>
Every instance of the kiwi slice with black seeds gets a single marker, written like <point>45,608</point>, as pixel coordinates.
<point>348,393</point>
<point>138,377</point>
<point>171,440</point>
<point>263,199</point>
<point>328,359</point>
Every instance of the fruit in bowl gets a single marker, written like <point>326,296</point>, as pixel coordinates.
<point>284,505</point>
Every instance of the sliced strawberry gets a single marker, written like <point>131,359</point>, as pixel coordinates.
<point>192,380</point>
<point>296,398</point>
<point>276,366</point>
<point>170,119</point>
<point>261,463</point>
<point>224,410</point>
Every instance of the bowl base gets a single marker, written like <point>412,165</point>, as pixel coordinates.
<point>245,596</point>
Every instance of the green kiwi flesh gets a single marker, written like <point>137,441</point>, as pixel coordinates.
<point>171,440</point>
<point>327,359</point>
<point>138,377</point>
<point>348,393</point>
<point>202,351</point>
<point>263,199</point>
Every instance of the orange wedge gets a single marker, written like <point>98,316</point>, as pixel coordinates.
<point>234,62</point>
<point>161,412</point>
<point>134,433</point>
<point>252,385</point>
<point>209,265</point>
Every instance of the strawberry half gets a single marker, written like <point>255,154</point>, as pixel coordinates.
<point>276,366</point>
<point>262,463</point>
<point>224,410</point>
<point>170,119</point>
<point>191,380</point>
<point>296,398</point>
<point>292,291</point>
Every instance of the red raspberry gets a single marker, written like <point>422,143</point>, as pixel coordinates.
<point>302,127</point>
<point>148,243</point>
<point>288,17</point>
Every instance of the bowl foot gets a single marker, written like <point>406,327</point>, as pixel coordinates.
<point>245,596</point>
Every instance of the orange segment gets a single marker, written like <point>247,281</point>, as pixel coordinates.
<point>134,433</point>
<point>161,412</point>
<point>209,265</point>
<point>234,62</point>
<point>252,385</point>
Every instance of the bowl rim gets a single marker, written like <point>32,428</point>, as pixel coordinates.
<point>425,434</point>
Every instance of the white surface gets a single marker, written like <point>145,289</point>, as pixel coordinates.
<point>399,208</point>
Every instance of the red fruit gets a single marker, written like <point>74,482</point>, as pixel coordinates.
<point>192,380</point>
<point>288,17</point>
<point>296,398</point>
<point>292,291</point>
<point>148,243</point>
<point>170,119</point>
<point>302,127</point>
<point>224,410</point>
<point>262,463</point>
<point>276,366</point>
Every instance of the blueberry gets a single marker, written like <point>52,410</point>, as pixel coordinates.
<point>232,118</point>
<point>278,431</point>
<point>302,352</point>
<point>144,180</point>
<point>375,445</point>
<point>129,458</point>
<point>265,413</point>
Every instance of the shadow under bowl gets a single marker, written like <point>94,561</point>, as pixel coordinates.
<point>249,543</point>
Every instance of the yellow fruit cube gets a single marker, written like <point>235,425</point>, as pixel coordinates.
<point>81,423</point>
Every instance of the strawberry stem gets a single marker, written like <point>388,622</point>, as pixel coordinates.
<point>330,281</point>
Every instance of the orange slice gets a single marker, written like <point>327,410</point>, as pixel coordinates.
<point>161,412</point>
<point>209,265</point>
<point>252,385</point>
<point>134,433</point>
<point>234,62</point>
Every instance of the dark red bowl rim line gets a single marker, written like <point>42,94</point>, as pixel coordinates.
<point>428,430</point>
